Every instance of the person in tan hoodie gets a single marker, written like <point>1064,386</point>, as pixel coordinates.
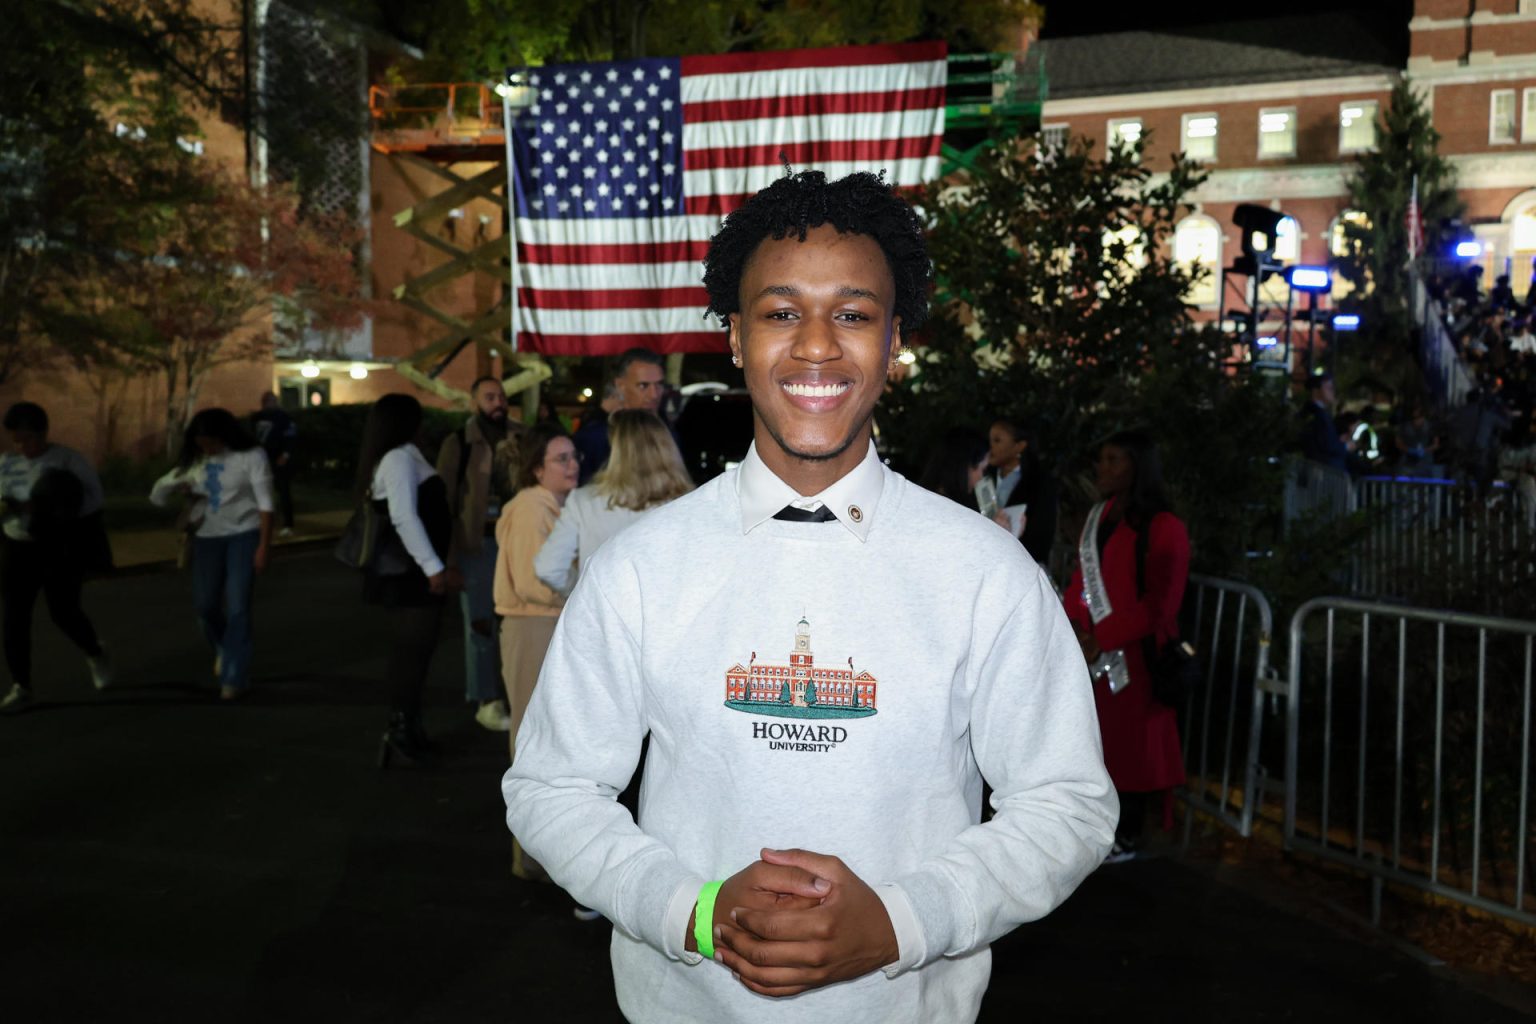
<point>547,471</point>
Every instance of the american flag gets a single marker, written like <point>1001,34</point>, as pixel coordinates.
<point>625,169</point>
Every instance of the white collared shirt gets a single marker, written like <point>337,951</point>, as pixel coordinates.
<point>852,498</point>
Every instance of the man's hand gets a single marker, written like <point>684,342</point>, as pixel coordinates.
<point>763,886</point>
<point>785,951</point>
<point>259,560</point>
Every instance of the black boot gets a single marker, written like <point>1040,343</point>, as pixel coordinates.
<point>398,743</point>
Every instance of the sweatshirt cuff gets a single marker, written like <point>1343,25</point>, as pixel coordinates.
<point>433,566</point>
<point>909,934</point>
<point>674,923</point>
<point>942,916</point>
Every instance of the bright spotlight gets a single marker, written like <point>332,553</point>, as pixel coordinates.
<point>1267,341</point>
<point>310,369</point>
<point>1469,250</point>
<point>1310,279</point>
<point>358,372</point>
<point>1346,322</point>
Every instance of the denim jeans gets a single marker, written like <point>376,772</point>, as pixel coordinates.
<point>223,581</point>
<point>482,652</point>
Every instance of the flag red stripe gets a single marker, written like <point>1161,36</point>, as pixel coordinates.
<point>693,297</point>
<point>814,105</point>
<point>634,252</point>
<point>829,57</point>
<point>799,153</point>
<point>614,344</point>
<point>723,204</point>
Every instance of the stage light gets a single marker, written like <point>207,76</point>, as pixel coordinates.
<point>1310,279</point>
<point>1260,226</point>
<point>1267,342</point>
<point>1468,249</point>
<point>358,372</point>
<point>310,369</point>
<point>1346,322</point>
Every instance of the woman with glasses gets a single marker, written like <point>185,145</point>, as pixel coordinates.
<point>548,468</point>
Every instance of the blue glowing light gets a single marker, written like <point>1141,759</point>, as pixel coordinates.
<point>1469,250</point>
<point>1346,322</point>
<point>1266,342</point>
<point>1310,279</point>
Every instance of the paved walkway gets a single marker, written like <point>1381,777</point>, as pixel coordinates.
<point>165,858</point>
<point>136,549</point>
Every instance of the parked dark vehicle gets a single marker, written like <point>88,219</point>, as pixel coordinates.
<point>714,430</point>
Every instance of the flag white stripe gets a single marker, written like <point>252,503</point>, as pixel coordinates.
<point>677,320</point>
<point>767,131</point>
<point>610,275</point>
<point>746,85</point>
<point>618,231</point>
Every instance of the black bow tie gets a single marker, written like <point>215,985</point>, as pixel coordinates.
<point>799,515</point>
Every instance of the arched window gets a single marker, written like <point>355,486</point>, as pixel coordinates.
<point>1197,244</point>
<point>1520,215</point>
<point>1288,240</point>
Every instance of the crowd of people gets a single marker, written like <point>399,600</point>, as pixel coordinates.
<point>604,600</point>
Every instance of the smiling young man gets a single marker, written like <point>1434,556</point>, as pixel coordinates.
<point>828,660</point>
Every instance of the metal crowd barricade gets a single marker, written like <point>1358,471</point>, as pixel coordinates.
<point>1313,489</point>
<point>1431,529</point>
<point>1408,748</point>
<point>1222,724</point>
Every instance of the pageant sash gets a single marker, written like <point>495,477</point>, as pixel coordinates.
<point>1110,664</point>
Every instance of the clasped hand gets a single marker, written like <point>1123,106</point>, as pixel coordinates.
<point>797,920</point>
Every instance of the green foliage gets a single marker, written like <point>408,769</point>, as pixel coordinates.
<point>785,697</point>
<point>1044,314</point>
<point>810,692</point>
<point>474,39</point>
<point>1376,263</point>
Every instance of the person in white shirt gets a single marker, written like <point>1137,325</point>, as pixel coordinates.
<point>832,792</point>
<point>409,577</point>
<point>47,546</point>
<point>644,470</point>
<point>225,476</point>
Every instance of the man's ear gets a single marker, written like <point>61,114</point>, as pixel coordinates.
<point>896,346</point>
<point>734,338</point>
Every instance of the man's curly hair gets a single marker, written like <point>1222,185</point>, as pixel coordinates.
<point>860,204</point>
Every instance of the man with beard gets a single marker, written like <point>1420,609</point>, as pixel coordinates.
<point>471,462</point>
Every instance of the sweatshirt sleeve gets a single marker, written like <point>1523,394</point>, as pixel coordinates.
<point>557,555</point>
<point>261,480</point>
<point>400,492</point>
<point>561,791</point>
<point>530,524</point>
<point>1167,571</point>
<point>165,488</point>
<point>1035,736</point>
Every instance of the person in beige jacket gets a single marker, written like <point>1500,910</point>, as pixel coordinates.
<point>547,473</point>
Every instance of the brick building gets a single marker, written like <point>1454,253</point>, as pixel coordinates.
<point>807,685</point>
<point>1278,107</point>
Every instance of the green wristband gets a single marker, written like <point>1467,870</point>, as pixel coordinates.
<point>704,919</point>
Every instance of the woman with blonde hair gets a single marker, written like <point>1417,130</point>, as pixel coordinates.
<point>644,470</point>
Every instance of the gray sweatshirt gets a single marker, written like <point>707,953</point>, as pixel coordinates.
<point>840,690</point>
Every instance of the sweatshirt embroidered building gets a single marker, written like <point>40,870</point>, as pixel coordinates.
<point>834,689</point>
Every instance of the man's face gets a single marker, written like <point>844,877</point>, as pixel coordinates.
<point>28,443</point>
<point>642,386</point>
<point>491,401</point>
<point>814,338</point>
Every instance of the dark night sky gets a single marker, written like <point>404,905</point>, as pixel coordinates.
<point>1087,17</point>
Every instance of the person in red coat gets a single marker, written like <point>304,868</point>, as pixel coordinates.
<point>1114,614</point>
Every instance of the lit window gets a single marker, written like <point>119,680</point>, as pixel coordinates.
<point>1197,245</point>
<point>1501,115</point>
<point>1124,131</point>
<point>1198,132</point>
<point>1357,126</point>
<point>1053,137</point>
<point>1528,116</point>
<point>1287,240</point>
<point>1338,241</point>
<point>1277,132</point>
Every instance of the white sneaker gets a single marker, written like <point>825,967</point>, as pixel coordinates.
<point>18,698</point>
<point>102,672</point>
<point>494,716</point>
